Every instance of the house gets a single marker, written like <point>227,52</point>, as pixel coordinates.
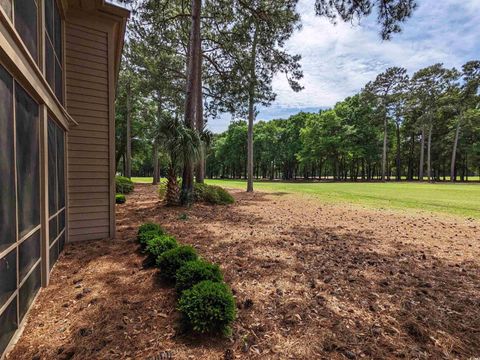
<point>59,61</point>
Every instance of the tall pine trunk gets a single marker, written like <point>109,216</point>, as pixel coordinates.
<point>251,113</point>
<point>384,153</point>
<point>192,77</point>
<point>399,170</point>
<point>429,154</point>
<point>200,169</point>
<point>454,153</point>
<point>156,145</point>
<point>128,155</point>
<point>422,156</point>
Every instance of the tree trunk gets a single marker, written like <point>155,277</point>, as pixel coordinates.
<point>454,153</point>
<point>422,156</point>
<point>192,77</point>
<point>429,155</point>
<point>399,170</point>
<point>384,154</point>
<point>156,172</point>
<point>128,157</point>
<point>251,113</point>
<point>200,169</point>
<point>156,145</point>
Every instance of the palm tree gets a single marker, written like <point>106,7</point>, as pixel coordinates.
<point>182,144</point>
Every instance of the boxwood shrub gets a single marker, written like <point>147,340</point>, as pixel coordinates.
<point>172,260</point>
<point>123,185</point>
<point>157,245</point>
<point>212,194</point>
<point>194,272</point>
<point>145,236</point>
<point>208,307</point>
<point>120,199</point>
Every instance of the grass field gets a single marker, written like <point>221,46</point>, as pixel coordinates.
<point>454,199</point>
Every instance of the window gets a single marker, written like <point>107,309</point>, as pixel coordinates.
<point>53,48</point>
<point>6,5</point>
<point>26,23</point>
<point>56,189</point>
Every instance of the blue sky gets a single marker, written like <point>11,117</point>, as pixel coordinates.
<point>339,60</point>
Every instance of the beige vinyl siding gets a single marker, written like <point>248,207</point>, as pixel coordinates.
<point>87,86</point>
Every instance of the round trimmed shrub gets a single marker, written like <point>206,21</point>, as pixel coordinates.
<point>120,199</point>
<point>144,237</point>
<point>157,245</point>
<point>194,272</point>
<point>172,260</point>
<point>123,185</point>
<point>149,226</point>
<point>208,307</point>
<point>214,195</point>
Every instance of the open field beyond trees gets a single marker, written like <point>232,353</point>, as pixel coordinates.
<point>312,279</point>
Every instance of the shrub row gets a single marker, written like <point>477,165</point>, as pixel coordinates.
<point>205,301</point>
<point>123,185</point>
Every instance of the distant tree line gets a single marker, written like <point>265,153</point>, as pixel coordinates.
<point>425,127</point>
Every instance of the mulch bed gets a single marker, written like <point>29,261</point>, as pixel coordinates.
<point>312,281</point>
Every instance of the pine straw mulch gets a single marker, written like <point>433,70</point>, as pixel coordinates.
<point>312,281</point>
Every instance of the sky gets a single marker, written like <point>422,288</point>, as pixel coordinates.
<point>338,60</point>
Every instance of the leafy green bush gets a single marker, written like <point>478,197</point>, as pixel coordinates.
<point>149,226</point>
<point>157,245</point>
<point>120,199</point>
<point>194,272</point>
<point>145,236</point>
<point>123,185</point>
<point>208,307</point>
<point>212,194</point>
<point>172,260</point>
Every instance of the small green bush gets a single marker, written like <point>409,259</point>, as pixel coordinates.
<point>208,307</point>
<point>120,199</point>
<point>123,185</point>
<point>145,236</point>
<point>172,260</point>
<point>157,245</point>
<point>212,194</point>
<point>194,272</point>
<point>149,226</point>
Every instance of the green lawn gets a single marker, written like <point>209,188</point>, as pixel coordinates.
<point>455,199</point>
<point>143,180</point>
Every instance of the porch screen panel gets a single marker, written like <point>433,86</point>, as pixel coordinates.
<point>8,276</point>
<point>56,189</point>
<point>7,178</point>
<point>28,162</point>
<point>28,290</point>
<point>52,168</point>
<point>26,20</point>
<point>8,325</point>
<point>28,254</point>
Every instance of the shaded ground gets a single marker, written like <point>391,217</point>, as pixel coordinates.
<point>312,281</point>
